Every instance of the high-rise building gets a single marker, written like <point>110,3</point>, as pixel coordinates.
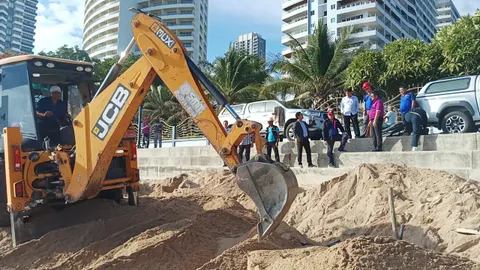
<point>107,30</point>
<point>447,13</point>
<point>253,43</point>
<point>376,22</point>
<point>17,25</point>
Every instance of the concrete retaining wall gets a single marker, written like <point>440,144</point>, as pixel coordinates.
<point>459,154</point>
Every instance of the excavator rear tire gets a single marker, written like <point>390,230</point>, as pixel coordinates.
<point>132,197</point>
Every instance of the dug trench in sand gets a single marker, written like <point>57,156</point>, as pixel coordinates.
<point>204,221</point>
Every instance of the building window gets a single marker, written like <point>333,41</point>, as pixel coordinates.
<point>332,20</point>
<point>332,7</point>
<point>312,12</point>
<point>325,13</point>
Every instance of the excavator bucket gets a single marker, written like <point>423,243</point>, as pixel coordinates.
<point>272,187</point>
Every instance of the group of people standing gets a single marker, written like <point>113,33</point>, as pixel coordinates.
<point>375,119</point>
<point>157,130</point>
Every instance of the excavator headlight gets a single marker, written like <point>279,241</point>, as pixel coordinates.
<point>38,64</point>
<point>50,65</point>
<point>79,68</point>
<point>88,69</point>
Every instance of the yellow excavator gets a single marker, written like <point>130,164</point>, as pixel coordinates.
<point>92,152</point>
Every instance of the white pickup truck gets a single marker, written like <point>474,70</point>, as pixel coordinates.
<point>261,111</point>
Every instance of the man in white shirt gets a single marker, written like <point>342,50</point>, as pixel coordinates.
<point>349,108</point>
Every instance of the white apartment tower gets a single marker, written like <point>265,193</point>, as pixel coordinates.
<point>376,22</point>
<point>447,13</point>
<point>253,43</point>
<point>107,29</point>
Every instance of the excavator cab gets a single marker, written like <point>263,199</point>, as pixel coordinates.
<point>33,176</point>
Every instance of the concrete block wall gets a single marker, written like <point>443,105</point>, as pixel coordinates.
<point>458,153</point>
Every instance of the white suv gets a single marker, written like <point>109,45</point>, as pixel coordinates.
<point>261,111</point>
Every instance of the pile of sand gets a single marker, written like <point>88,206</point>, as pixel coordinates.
<point>173,228</point>
<point>359,253</point>
<point>205,222</point>
<point>431,204</point>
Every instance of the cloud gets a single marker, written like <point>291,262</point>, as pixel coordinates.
<point>466,6</point>
<point>59,22</point>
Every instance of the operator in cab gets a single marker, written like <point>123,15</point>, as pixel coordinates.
<point>51,113</point>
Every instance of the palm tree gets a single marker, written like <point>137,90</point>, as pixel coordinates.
<point>160,104</point>
<point>237,75</point>
<point>314,73</point>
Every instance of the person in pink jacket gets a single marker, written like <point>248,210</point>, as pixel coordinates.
<point>375,122</point>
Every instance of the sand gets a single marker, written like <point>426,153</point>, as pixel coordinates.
<point>431,204</point>
<point>377,253</point>
<point>171,229</point>
<point>204,221</point>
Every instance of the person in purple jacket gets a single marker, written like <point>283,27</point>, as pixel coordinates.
<point>146,132</point>
<point>375,118</point>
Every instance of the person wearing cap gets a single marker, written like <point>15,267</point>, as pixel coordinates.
<point>376,121</point>
<point>349,107</point>
<point>333,131</point>
<point>273,137</point>
<point>51,113</point>
<point>367,105</point>
<point>301,136</point>
<point>146,132</point>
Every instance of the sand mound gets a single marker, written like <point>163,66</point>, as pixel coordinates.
<point>431,204</point>
<point>205,222</point>
<point>173,228</point>
<point>359,253</point>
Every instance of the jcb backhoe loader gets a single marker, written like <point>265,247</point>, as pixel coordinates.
<point>95,153</point>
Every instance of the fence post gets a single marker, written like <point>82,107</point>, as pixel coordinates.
<point>174,135</point>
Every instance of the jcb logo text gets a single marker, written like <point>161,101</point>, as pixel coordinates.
<point>111,112</point>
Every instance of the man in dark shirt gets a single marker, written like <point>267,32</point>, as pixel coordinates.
<point>51,112</point>
<point>158,129</point>
<point>331,134</point>
<point>301,136</point>
<point>416,124</point>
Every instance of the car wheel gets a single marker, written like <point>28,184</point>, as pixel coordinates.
<point>290,132</point>
<point>457,122</point>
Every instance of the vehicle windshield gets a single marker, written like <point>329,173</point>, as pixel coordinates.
<point>16,109</point>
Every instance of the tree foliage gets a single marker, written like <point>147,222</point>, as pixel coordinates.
<point>160,104</point>
<point>66,52</point>
<point>368,66</point>
<point>460,46</point>
<point>237,75</point>
<point>315,72</point>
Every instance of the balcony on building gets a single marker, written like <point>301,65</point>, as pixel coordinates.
<point>299,10</point>
<point>295,24</point>
<point>288,3</point>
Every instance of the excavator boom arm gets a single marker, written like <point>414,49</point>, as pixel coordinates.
<point>100,126</point>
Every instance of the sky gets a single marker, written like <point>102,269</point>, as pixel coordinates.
<point>60,22</point>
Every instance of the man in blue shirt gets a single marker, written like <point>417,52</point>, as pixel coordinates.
<point>407,102</point>
<point>367,104</point>
<point>51,112</point>
<point>272,140</point>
